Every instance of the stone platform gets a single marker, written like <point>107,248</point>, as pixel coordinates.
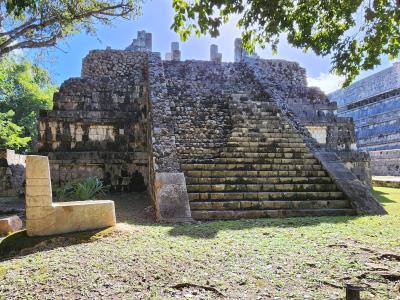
<point>386,181</point>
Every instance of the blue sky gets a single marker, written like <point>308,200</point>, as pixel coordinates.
<point>157,16</point>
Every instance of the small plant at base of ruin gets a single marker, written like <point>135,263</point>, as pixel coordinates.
<point>82,189</point>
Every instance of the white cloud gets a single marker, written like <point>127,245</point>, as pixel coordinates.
<point>326,81</point>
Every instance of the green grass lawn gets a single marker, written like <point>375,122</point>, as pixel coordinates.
<point>294,258</point>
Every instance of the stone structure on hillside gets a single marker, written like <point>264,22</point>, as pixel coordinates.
<point>209,140</point>
<point>374,105</point>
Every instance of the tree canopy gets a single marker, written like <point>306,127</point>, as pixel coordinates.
<point>42,23</point>
<point>354,33</point>
<point>24,90</point>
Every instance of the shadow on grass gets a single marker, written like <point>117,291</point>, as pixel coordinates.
<point>131,208</point>
<point>209,229</point>
<point>20,244</point>
<point>382,197</point>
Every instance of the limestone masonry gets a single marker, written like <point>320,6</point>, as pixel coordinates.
<point>374,105</point>
<point>208,139</point>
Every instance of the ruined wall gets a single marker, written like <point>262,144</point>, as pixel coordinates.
<point>200,94</point>
<point>98,125</point>
<point>385,162</point>
<point>12,173</point>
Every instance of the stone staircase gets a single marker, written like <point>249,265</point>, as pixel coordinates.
<point>264,169</point>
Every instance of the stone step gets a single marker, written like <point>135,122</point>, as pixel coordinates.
<point>282,187</point>
<point>261,124</point>
<point>263,134</point>
<point>242,173</point>
<point>271,148</point>
<point>266,144</point>
<point>260,117</point>
<point>304,155</point>
<point>241,151</point>
<point>257,180</point>
<point>255,160</point>
<point>252,167</point>
<point>250,155</point>
<point>230,196</point>
<point>265,130</point>
<point>264,139</point>
<point>279,213</point>
<point>258,205</point>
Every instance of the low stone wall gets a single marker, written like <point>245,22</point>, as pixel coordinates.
<point>358,163</point>
<point>385,163</point>
<point>12,173</point>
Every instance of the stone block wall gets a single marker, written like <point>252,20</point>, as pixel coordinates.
<point>99,122</point>
<point>374,105</point>
<point>385,162</point>
<point>200,94</point>
<point>12,173</point>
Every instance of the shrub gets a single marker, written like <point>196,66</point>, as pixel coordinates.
<point>82,189</point>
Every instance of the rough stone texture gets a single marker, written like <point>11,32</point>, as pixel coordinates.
<point>98,125</point>
<point>361,197</point>
<point>306,107</point>
<point>143,42</point>
<point>206,119</point>
<point>374,105</point>
<point>171,198</point>
<point>385,162</point>
<point>12,173</point>
<point>10,224</point>
<point>43,217</point>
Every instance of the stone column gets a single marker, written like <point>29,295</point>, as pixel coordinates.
<point>38,195</point>
<point>215,56</point>
<point>238,50</point>
<point>175,52</point>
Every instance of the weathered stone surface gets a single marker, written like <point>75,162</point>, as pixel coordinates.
<point>385,162</point>
<point>232,128</point>
<point>46,218</point>
<point>10,224</point>
<point>361,197</point>
<point>12,173</point>
<point>171,198</point>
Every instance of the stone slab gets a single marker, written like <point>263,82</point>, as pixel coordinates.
<point>171,198</point>
<point>68,217</point>
<point>10,224</point>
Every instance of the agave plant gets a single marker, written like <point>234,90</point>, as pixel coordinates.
<point>88,188</point>
<point>83,189</point>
